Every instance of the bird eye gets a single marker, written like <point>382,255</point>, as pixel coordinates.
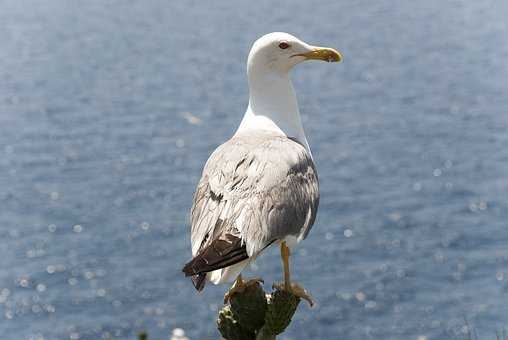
<point>283,45</point>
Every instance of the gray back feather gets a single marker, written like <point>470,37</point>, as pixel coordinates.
<point>261,187</point>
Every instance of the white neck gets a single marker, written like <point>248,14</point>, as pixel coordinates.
<point>272,105</point>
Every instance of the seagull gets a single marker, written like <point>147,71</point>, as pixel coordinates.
<point>260,187</point>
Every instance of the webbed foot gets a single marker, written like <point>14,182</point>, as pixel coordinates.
<point>296,290</point>
<point>239,286</point>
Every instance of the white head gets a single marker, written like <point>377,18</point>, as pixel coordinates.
<point>272,101</point>
<point>278,52</point>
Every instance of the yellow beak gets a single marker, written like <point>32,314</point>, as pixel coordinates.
<point>321,53</point>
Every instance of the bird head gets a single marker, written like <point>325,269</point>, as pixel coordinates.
<point>279,52</point>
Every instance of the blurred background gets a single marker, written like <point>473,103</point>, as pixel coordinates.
<point>109,109</point>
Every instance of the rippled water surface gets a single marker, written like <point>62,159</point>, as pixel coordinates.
<point>108,110</point>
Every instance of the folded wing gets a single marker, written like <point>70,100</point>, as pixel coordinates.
<point>255,189</point>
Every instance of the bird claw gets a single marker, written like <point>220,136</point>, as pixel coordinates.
<point>296,290</point>
<point>239,286</point>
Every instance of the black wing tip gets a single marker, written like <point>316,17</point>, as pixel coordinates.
<point>188,268</point>
<point>199,281</point>
<point>219,254</point>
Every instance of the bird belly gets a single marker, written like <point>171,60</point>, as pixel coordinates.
<point>292,241</point>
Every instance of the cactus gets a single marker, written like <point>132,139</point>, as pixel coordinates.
<point>251,314</point>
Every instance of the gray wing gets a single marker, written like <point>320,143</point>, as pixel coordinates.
<point>258,188</point>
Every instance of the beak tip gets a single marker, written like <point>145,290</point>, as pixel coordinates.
<point>330,55</point>
<point>337,57</point>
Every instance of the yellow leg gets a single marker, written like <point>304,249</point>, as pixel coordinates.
<point>293,288</point>
<point>284,254</point>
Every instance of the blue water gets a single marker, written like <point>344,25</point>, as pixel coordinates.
<point>108,110</point>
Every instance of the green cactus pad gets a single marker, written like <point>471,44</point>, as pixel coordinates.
<point>249,307</point>
<point>230,328</point>
<point>281,308</point>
